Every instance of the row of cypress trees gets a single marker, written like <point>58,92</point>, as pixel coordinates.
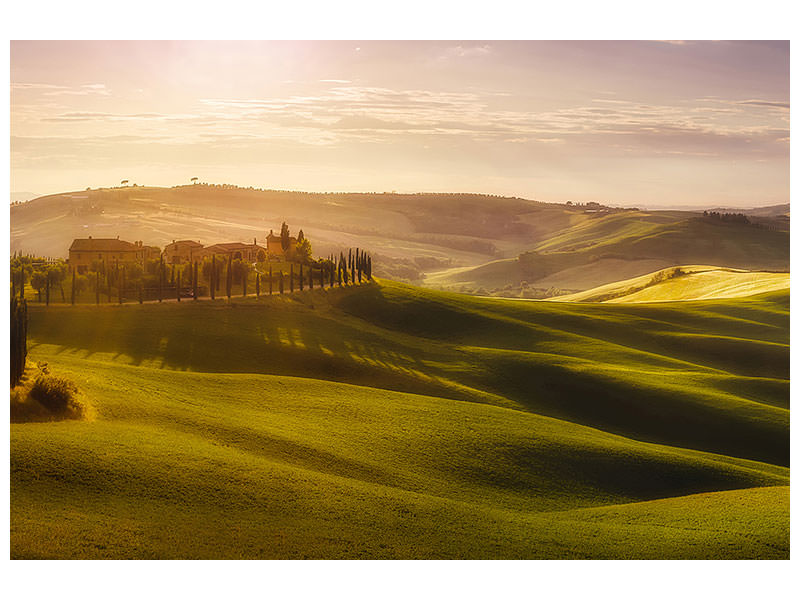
<point>344,270</point>
<point>19,338</point>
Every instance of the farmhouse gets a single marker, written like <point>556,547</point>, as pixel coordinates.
<point>239,250</point>
<point>182,251</point>
<point>274,247</point>
<point>83,252</point>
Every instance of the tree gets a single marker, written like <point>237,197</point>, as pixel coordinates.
<point>300,236</point>
<point>81,282</point>
<point>240,270</point>
<point>261,256</point>
<point>213,274</point>
<point>19,339</point>
<point>160,277</point>
<point>38,282</point>
<point>193,180</point>
<point>229,278</point>
<point>303,250</point>
<point>284,236</point>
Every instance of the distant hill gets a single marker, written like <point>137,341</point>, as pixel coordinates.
<point>408,233</point>
<point>692,282</point>
<point>22,196</point>
<point>606,249</point>
<point>479,244</point>
<point>776,210</point>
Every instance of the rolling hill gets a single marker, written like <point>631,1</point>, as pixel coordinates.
<point>606,249</point>
<point>389,421</point>
<point>693,282</point>
<point>479,244</point>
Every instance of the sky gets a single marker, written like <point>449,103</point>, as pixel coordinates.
<point>650,124</point>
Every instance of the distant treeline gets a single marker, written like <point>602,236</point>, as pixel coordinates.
<point>728,217</point>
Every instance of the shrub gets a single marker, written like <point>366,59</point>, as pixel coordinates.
<point>56,394</point>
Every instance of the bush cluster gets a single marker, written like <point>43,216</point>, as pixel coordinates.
<point>56,394</point>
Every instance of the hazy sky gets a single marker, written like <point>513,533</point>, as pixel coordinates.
<point>628,123</point>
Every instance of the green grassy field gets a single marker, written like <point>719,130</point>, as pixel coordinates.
<point>387,421</point>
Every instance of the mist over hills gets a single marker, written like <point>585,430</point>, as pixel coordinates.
<point>472,243</point>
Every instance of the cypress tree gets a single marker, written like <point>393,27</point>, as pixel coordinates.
<point>73,286</point>
<point>213,275</point>
<point>19,338</point>
<point>353,271</point>
<point>229,276</point>
<point>258,285</point>
<point>300,277</point>
<point>160,277</point>
<point>108,285</point>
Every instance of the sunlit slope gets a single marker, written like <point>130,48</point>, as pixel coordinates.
<point>592,229</point>
<point>199,465</point>
<point>709,375</point>
<point>605,249</point>
<point>692,282</point>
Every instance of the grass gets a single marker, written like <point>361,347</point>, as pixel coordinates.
<point>599,250</point>
<point>695,282</point>
<point>475,429</point>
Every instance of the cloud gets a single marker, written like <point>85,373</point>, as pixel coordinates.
<point>48,89</point>
<point>467,51</point>
<point>765,103</point>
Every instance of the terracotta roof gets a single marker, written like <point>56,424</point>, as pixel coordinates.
<point>186,243</point>
<point>231,246</point>
<point>102,245</point>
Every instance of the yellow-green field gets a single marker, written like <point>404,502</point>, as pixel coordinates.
<point>386,421</point>
<point>694,282</point>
